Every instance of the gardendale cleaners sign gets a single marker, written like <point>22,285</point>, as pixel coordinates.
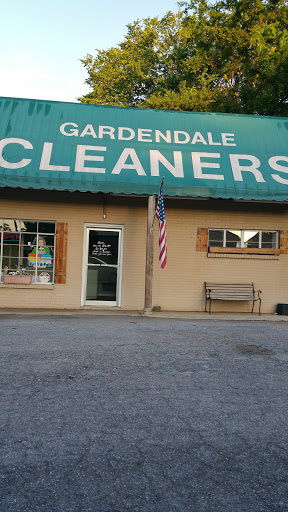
<point>66,146</point>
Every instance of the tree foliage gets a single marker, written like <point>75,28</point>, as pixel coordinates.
<point>231,56</point>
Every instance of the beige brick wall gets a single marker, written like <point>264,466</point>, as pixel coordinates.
<point>180,286</point>
<point>76,215</point>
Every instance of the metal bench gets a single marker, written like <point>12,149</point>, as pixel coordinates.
<point>220,291</point>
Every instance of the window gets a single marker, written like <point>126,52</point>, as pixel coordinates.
<point>243,238</point>
<point>28,246</point>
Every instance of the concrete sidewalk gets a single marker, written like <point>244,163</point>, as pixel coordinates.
<point>179,315</point>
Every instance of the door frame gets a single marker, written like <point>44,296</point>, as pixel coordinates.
<point>102,227</point>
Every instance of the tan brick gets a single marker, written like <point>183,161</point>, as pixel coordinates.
<point>180,286</point>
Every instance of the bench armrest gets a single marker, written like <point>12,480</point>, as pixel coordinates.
<point>208,292</point>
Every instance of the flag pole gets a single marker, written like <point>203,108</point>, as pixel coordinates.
<point>149,254</point>
<point>149,251</point>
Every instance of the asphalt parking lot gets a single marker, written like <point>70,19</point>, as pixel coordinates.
<point>122,413</point>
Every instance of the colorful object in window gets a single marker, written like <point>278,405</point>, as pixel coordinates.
<point>44,258</point>
<point>44,277</point>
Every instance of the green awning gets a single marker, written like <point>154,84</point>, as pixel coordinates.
<point>70,146</point>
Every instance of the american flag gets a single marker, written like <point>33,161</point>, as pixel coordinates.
<point>160,213</point>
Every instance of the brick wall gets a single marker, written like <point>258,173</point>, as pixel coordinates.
<point>180,286</point>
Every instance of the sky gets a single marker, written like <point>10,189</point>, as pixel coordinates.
<point>42,42</point>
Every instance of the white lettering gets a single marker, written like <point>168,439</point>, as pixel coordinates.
<point>121,130</point>
<point>198,165</point>
<point>141,134</point>
<point>228,139</point>
<point>210,140</point>
<point>106,130</point>
<point>14,165</point>
<point>81,157</point>
<point>176,169</point>
<point>46,157</point>
<point>121,163</point>
<point>237,169</point>
<point>166,137</point>
<point>89,130</point>
<point>198,137</point>
<point>282,168</point>
<point>178,141</point>
<point>72,132</point>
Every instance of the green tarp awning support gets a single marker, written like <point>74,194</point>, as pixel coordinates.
<point>70,146</point>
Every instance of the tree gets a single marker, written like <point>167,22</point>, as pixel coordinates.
<point>137,67</point>
<point>231,56</point>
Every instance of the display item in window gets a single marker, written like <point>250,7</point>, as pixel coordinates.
<point>42,253</point>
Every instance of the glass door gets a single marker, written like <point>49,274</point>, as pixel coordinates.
<point>102,266</point>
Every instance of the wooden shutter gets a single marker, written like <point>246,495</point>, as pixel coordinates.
<point>202,239</point>
<point>283,242</point>
<point>61,252</point>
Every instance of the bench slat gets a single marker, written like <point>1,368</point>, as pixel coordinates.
<point>229,296</point>
<point>231,291</point>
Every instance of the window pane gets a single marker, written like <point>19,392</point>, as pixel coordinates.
<point>44,262</point>
<point>22,251</point>
<point>101,283</point>
<point>40,255</point>
<point>233,238</point>
<point>23,264</point>
<point>269,239</point>
<point>103,247</point>
<point>11,238</point>
<point>46,227</point>
<point>44,276</point>
<point>11,225</point>
<point>216,238</point>
<point>28,225</point>
<point>11,250</point>
<point>28,239</point>
<point>251,239</point>
<point>10,264</point>
<point>49,239</point>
